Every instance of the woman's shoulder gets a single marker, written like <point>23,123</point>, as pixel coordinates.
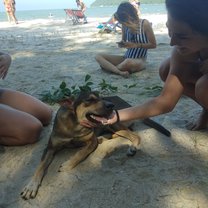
<point>145,22</point>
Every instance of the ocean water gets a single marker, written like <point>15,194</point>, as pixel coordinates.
<point>91,12</point>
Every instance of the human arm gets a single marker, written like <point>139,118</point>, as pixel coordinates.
<point>5,61</point>
<point>162,104</point>
<point>165,102</point>
<point>150,37</point>
<point>121,44</point>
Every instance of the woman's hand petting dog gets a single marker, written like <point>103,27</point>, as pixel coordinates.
<point>114,118</point>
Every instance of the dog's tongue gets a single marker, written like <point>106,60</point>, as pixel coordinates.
<point>102,119</point>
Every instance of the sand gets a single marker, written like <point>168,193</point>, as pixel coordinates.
<point>165,173</point>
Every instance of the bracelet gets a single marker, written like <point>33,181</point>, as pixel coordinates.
<point>117,115</point>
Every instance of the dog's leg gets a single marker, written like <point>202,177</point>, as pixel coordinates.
<point>31,189</point>
<point>134,138</point>
<point>80,155</point>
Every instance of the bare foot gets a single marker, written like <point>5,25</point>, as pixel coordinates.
<point>201,123</point>
<point>124,74</point>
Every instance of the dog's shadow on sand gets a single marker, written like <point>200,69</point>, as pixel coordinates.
<point>160,171</point>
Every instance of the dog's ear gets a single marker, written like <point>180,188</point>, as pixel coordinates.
<point>68,102</point>
<point>82,96</point>
<point>97,93</point>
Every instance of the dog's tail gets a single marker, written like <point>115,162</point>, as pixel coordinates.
<point>157,126</point>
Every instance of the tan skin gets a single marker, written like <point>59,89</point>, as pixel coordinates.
<point>124,66</point>
<point>22,116</point>
<point>185,72</point>
<point>82,5</point>
<point>10,10</point>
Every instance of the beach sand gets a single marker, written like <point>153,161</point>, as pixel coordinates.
<point>165,173</point>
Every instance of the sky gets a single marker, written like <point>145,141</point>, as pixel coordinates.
<point>45,4</point>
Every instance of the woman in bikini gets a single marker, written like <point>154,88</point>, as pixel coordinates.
<point>137,38</point>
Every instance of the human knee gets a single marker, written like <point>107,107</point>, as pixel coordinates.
<point>201,91</point>
<point>127,62</point>
<point>47,117</point>
<point>31,133</point>
<point>98,57</point>
<point>164,69</point>
<point>163,73</point>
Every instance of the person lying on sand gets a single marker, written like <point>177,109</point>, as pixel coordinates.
<point>185,72</point>
<point>21,116</point>
<point>137,38</point>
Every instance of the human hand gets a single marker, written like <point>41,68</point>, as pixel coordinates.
<point>5,61</point>
<point>131,45</point>
<point>121,44</point>
<point>113,118</point>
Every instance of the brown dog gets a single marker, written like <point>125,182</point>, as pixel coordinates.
<point>67,131</point>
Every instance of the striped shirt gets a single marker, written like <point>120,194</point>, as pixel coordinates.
<point>136,38</point>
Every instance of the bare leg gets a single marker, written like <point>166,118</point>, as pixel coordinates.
<point>14,17</point>
<point>201,87</point>
<point>21,118</point>
<point>8,17</point>
<point>132,65</point>
<point>110,62</point>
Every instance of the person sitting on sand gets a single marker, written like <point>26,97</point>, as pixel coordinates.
<point>82,7</point>
<point>21,116</point>
<point>10,10</point>
<point>185,72</point>
<point>137,38</point>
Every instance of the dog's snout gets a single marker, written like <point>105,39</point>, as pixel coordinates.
<point>109,105</point>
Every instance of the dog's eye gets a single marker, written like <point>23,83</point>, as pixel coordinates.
<point>91,100</point>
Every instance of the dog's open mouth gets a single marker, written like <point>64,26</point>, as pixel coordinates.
<point>91,117</point>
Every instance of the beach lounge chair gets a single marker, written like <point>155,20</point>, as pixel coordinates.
<point>74,15</point>
<point>110,26</point>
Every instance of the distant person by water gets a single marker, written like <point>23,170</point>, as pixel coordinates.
<point>82,6</point>
<point>10,7</point>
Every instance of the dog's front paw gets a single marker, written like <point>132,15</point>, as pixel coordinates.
<point>65,167</point>
<point>30,190</point>
<point>131,151</point>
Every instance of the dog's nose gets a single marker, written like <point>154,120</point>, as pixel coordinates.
<point>109,105</point>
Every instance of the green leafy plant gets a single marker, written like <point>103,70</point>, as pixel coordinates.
<point>58,94</point>
<point>130,86</point>
<point>65,93</point>
<point>152,91</point>
<point>105,87</point>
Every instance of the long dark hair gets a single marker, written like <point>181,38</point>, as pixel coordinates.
<point>192,12</point>
<point>126,12</point>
